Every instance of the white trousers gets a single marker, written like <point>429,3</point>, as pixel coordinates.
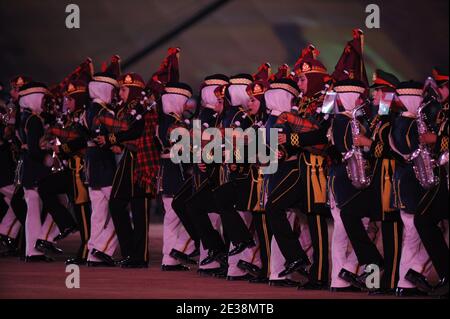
<point>10,225</point>
<point>342,253</point>
<point>34,228</point>
<point>414,256</point>
<point>103,235</point>
<point>175,235</point>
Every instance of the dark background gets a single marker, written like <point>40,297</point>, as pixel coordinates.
<point>237,37</point>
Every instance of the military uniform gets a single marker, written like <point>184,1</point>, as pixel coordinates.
<point>34,168</point>
<point>351,200</point>
<point>284,185</point>
<point>100,170</point>
<point>69,179</point>
<point>176,240</point>
<point>436,209</point>
<point>198,208</point>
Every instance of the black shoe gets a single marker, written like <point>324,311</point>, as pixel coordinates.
<point>259,280</point>
<point>351,278</point>
<point>283,283</point>
<point>239,248</point>
<point>382,292</point>
<point>298,265</point>
<point>441,289</point>
<point>209,272</point>
<point>47,246</point>
<point>252,269</point>
<point>123,261</point>
<point>104,257</point>
<point>418,280</point>
<point>66,232</point>
<point>214,255</point>
<point>76,261</point>
<point>184,258</point>
<point>409,292</point>
<point>195,253</point>
<point>245,277</point>
<point>174,268</point>
<point>38,258</point>
<point>99,264</point>
<point>314,285</point>
<point>221,273</point>
<point>8,242</point>
<point>134,264</point>
<point>345,289</point>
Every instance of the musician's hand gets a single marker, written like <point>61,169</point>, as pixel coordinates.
<point>116,149</point>
<point>233,167</point>
<point>280,154</point>
<point>55,149</point>
<point>428,138</point>
<point>282,138</point>
<point>100,140</point>
<point>362,140</point>
<point>202,167</point>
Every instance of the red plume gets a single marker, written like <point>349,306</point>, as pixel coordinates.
<point>351,63</point>
<point>284,71</point>
<point>263,73</point>
<point>168,71</point>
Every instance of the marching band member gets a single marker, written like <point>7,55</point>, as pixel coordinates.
<point>73,138</point>
<point>36,166</point>
<point>101,167</point>
<point>124,128</point>
<point>176,240</point>
<point>284,184</point>
<point>206,178</point>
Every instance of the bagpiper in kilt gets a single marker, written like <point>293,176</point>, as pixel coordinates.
<point>124,128</point>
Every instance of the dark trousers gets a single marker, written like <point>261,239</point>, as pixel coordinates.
<point>49,188</point>
<point>62,183</point>
<point>318,230</point>
<point>284,195</point>
<point>233,225</point>
<point>179,206</point>
<point>264,233</point>
<point>351,215</point>
<point>133,238</point>
<point>392,232</point>
<point>18,205</point>
<point>198,206</point>
<point>431,235</point>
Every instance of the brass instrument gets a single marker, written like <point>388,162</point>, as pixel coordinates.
<point>358,168</point>
<point>423,162</point>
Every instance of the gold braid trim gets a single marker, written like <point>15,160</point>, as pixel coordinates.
<point>295,140</point>
<point>112,138</point>
<point>444,144</point>
<point>379,149</point>
<point>65,148</point>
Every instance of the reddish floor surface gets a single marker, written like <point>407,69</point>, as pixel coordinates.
<point>47,280</point>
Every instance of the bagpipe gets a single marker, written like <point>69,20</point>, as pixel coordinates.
<point>303,118</point>
<point>116,121</point>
